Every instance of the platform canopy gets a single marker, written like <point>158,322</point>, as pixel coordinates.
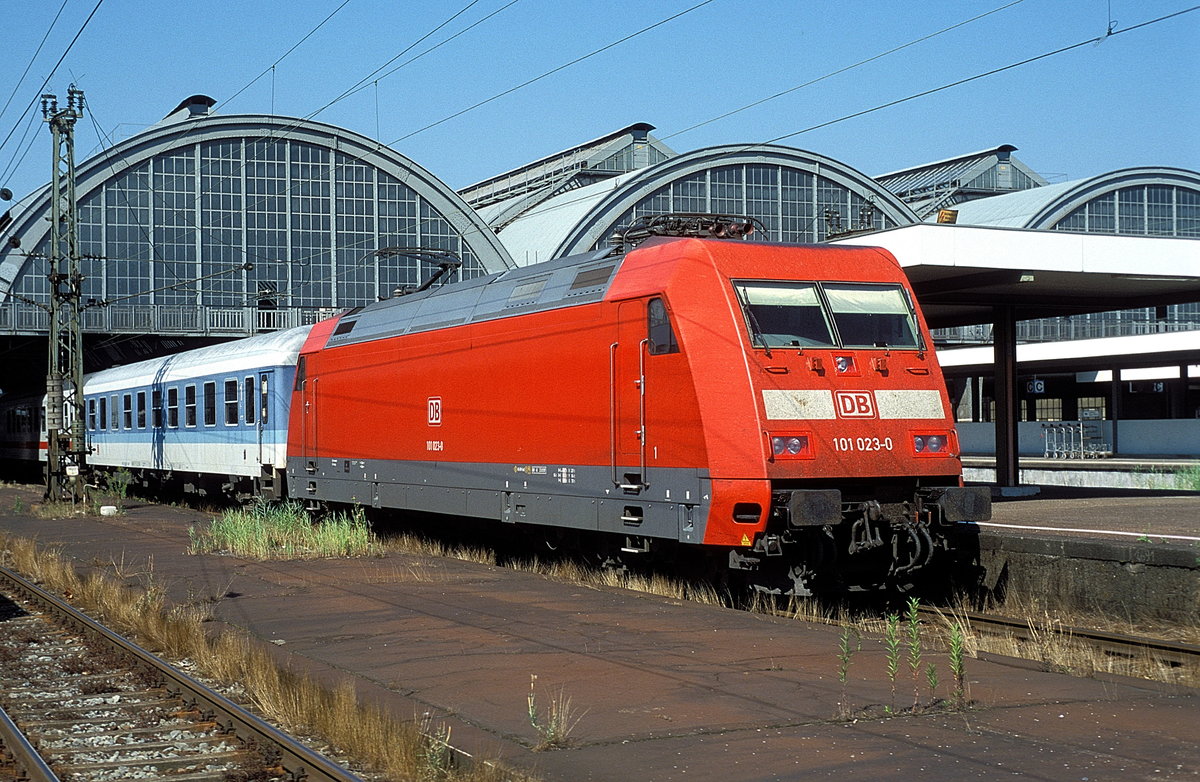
<point>965,275</point>
<point>962,273</point>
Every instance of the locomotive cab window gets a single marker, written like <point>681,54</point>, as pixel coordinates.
<point>661,337</point>
<point>784,314</point>
<point>872,316</point>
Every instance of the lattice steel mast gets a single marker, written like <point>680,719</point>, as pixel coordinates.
<point>66,435</point>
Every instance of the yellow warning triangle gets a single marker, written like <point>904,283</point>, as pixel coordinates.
<point>745,539</point>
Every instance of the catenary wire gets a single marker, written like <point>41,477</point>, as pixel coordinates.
<point>284,56</point>
<point>49,76</point>
<point>840,71</point>
<point>24,73</point>
<point>552,71</point>
<point>1111,32</point>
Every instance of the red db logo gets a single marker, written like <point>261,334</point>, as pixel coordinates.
<point>435,411</point>
<point>854,404</point>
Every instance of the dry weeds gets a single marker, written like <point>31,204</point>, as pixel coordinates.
<point>297,703</point>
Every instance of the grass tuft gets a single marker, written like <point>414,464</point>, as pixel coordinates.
<point>556,722</point>
<point>285,531</point>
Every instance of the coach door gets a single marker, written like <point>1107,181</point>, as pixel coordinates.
<point>258,400</point>
<point>628,397</point>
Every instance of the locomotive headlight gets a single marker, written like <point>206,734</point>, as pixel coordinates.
<point>791,446</point>
<point>931,443</point>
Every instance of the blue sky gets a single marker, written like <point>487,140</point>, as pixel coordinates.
<point>1131,99</point>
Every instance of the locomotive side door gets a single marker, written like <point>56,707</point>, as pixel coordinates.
<point>628,397</point>
<point>308,410</point>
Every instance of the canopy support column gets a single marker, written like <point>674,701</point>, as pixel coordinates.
<point>1004,339</point>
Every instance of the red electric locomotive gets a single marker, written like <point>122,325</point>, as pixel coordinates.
<point>780,406</point>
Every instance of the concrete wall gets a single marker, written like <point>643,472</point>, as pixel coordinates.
<point>1163,437</point>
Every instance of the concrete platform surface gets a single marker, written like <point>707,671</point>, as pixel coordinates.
<point>664,690</point>
<point>1106,513</point>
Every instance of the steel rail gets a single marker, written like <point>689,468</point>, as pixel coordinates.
<point>24,755</point>
<point>300,762</point>
<point>1172,653</point>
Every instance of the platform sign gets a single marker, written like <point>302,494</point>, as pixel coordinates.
<point>1035,386</point>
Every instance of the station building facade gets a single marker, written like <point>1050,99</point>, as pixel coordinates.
<point>219,226</point>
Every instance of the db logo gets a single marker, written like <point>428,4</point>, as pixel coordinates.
<point>435,411</point>
<point>854,404</point>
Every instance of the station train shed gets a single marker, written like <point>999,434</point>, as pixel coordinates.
<point>329,219</point>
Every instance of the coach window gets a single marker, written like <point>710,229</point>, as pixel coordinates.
<point>141,409</point>
<point>189,405</point>
<point>231,402</point>
<point>210,404</point>
<point>661,335</point>
<point>91,415</point>
<point>115,421</point>
<point>103,420</point>
<point>156,403</point>
<point>249,405</point>
<point>127,418</point>
<point>173,408</point>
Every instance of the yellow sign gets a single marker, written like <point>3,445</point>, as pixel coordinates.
<point>745,539</point>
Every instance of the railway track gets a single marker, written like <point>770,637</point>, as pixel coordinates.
<point>87,704</point>
<point>1171,654</point>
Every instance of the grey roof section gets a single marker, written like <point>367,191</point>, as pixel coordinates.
<point>593,158</point>
<point>1044,207</point>
<point>566,282</point>
<point>932,186</point>
<point>574,221</point>
<point>182,127</point>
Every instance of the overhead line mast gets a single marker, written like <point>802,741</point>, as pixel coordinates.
<point>66,435</point>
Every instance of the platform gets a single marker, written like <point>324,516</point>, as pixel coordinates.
<point>666,690</point>
<point>1147,473</point>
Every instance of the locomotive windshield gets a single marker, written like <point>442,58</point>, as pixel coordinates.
<point>872,316</point>
<point>809,314</point>
<point>785,314</point>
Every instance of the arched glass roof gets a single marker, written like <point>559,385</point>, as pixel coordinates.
<point>308,205</point>
<point>800,197</point>
<point>1149,201</point>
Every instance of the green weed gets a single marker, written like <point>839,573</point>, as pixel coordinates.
<point>285,531</point>
<point>559,719</point>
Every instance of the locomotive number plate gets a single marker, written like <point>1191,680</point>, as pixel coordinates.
<point>862,443</point>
